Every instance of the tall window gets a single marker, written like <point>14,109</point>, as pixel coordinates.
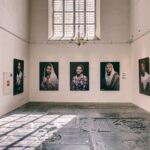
<point>71,17</point>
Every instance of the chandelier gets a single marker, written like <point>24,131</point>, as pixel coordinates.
<point>79,40</point>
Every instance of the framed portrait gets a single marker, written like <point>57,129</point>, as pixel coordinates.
<point>18,76</point>
<point>7,83</point>
<point>79,76</point>
<point>49,76</point>
<point>144,76</point>
<point>109,76</point>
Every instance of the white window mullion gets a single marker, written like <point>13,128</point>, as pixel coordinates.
<point>53,18</point>
<point>84,18</point>
<point>63,19</point>
<point>98,21</point>
<point>74,18</point>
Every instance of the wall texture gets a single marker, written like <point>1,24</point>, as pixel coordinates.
<point>114,27</point>
<point>13,34</point>
<point>140,48</point>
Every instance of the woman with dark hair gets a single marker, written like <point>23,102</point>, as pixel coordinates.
<point>50,80</point>
<point>79,81</point>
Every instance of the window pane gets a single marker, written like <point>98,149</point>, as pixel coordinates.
<point>90,30</point>
<point>90,17</point>
<point>90,5</point>
<point>79,5</point>
<point>58,18</point>
<point>58,5</point>
<point>68,5</point>
<point>81,30</point>
<point>64,22</point>
<point>79,18</point>
<point>68,31</point>
<point>58,30</point>
<point>68,18</point>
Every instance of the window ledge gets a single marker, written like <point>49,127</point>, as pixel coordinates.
<point>52,41</point>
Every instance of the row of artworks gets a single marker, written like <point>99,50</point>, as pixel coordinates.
<point>79,76</point>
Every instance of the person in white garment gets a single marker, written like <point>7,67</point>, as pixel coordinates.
<point>50,80</point>
<point>19,78</point>
<point>111,79</point>
<point>145,77</point>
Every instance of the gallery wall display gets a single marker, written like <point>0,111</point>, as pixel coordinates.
<point>110,76</point>
<point>7,83</point>
<point>144,76</point>
<point>79,76</point>
<point>18,76</point>
<point>49,76</point>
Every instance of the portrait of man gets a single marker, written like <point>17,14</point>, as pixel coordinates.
<point>110,80</point>
<point>79,76</point>
<point>144,76</point>
<point>49,76</point>
<point>18,76</point>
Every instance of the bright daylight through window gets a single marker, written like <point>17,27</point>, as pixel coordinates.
<point>72,19</point>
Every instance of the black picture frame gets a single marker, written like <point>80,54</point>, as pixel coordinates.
<point>52,85</point>
<point>18,76</point>
<point>144,76</point>
<point>80,86</point>
<point>114,80</point>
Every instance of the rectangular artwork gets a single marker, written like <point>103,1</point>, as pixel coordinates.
<point>144,76</point>
<point>18,76</point>
<point>79,76</point>
<point>7,83</point>
<point>110,76</point>
<point>49,76</point>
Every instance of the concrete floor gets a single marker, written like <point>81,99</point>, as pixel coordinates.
<point>45,126</point>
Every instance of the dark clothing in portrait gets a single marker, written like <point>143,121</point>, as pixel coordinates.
<point>79,84</point>
<point>114,85</point>
<point>18,79</point>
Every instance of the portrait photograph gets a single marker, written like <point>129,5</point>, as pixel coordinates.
<point>79,76</point>
<point>110,76</point>
<point>49,76</point>
<point>18,76</point>
<point>144,76</point>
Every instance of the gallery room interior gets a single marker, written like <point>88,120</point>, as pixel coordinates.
<point>74,74</point>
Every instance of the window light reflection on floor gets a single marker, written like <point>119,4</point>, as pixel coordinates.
<point>28,131</point>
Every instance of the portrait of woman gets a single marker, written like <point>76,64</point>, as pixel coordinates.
<point>18,76</point>
<point>48,76</point>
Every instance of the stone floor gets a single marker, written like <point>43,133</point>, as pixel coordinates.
<point>45,126</point>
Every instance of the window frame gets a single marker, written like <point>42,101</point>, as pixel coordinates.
<point>50,22</point>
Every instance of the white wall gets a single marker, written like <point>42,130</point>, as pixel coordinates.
<point>13,33</point>
<point>115,20</point>
<point>140,48</point>
<point>91,53</point>
<point>14,17</point>
<point>139,14</point>
<point>115,28</point>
